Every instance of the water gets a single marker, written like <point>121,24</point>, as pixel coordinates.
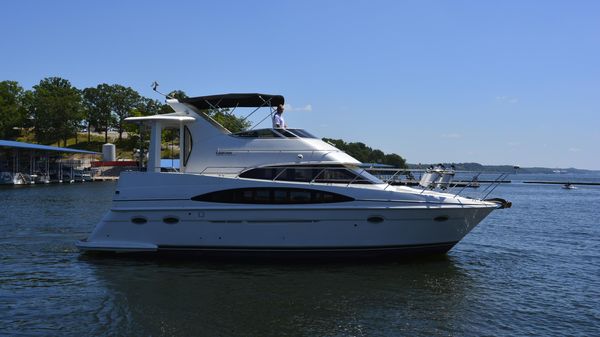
<point>530,270</point>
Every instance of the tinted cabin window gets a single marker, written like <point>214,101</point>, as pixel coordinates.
<point>261,133</point>
<point>278,133</point>
<point>287,133</point>
<point>305,174</point>
<point>300,197</point>
<point>333,176</point>
<point>302,133</point>
<point>187,145</point>
<point>276,195</point>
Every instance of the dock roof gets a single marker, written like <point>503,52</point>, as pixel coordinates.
<point>29,146</point>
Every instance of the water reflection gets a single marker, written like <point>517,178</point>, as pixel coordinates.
<point>529,270</point>
<point>166,297</point>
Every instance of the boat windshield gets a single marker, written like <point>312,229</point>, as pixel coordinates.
<point>274,133</point>
<point>368,176</point>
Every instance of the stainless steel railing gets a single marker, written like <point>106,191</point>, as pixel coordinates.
<point>322,174</point>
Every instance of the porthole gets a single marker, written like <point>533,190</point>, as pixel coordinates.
<point>375,219</point>
<point>139,220</point>
<point>440,218</point>
<point>171,220</point>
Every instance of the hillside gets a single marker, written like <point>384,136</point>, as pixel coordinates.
<point>503,168</point>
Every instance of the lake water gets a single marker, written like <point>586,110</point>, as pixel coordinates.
<point>533,269</point>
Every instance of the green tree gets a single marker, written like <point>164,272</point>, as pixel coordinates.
<point>98,102</point>
<point>12,109</point>
<point>395,160</point>
<point>178,94</point>
<point>365,154</point>
<point>57,110</point>
<point>229,121</point>
<point>124,101</point>
<point>376,156</point>
<point>222,116</point>
<point>148,106</point>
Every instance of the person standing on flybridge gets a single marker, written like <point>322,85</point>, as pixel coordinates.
<point>278,121</point>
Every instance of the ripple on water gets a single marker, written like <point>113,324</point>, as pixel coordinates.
<point>529,270</point>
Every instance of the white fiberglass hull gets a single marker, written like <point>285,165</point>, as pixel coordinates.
<point>290,230</point>
<point>334,229</point>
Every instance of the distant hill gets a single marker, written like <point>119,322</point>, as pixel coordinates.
<point>503,168</point>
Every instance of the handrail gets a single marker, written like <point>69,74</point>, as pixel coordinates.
<point>279,174</point>
<point>493,188</point>
<point>312,151</point>
<point>356,176</point>
<point>236,171</point>
<point>242,168</point>
<point>491,185</point>
<point>474,179</point>
<point>317,176</point>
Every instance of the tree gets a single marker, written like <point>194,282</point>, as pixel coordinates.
<point>365,154</point>
<point>148,106</point>
<point>178,94</point>
<point>395,160</point>
<point>227,120</point>
<point>57,110</point>
<point>124,100</point>
<point>376,156</point>
<point>222,116</point>
<point>99,103</point>
<point>12,109</point>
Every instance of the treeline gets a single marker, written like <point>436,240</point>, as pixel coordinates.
<point>56,110</point>
<point>476,167</point>
<point>365,154</point>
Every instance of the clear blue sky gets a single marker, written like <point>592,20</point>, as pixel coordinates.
<point>504,82</point>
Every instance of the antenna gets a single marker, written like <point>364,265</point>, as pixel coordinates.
<point>155,85</point>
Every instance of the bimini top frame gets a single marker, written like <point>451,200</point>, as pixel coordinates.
<point>233,101</point>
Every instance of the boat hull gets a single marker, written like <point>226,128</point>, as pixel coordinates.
<point>258,253</point>
<point>295,233</point>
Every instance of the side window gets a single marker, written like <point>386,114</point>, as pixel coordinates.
<point>300,197</point>
<point>262,196</point>
<point>265,173</point>
<point>306,174</point>
<point>260,133</point>
<point>280,196</point>
<point>187,145</point>
<point>275,195</point>
<point>335,175</point>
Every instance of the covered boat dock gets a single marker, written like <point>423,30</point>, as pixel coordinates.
<point>26,163</point>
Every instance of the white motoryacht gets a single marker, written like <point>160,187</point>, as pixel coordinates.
<point>270,192</point>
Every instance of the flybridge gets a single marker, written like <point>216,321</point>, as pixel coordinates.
<point>184,118</point>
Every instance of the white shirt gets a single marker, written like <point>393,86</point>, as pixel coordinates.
<point>278,121</point>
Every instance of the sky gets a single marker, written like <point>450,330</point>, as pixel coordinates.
<point>494,82</point>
